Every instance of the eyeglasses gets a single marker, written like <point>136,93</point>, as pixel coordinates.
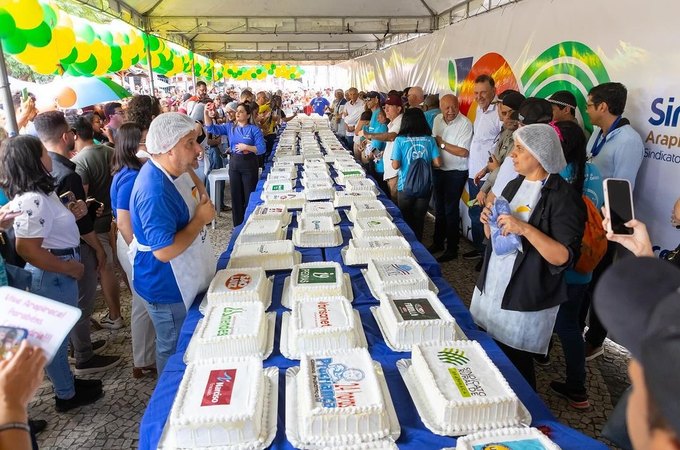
<point>120,113</point>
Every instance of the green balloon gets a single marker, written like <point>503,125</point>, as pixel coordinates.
<point>15,44</point>
<point>7,24</point>
<point>258,71</point>
<point>273,66</point>
<point>49,15</point>
<point>154,43</point>
<point>135,60</point>
<point>39,36</point>
<point>88,66</point>
<point>85,31</point>
<point>71,70</point>
<point>116,59</point>
<point>292,76</point>
<point>253,75</point>
<point>71,58</point>
<point>107,37</point>
<point>270,71</point>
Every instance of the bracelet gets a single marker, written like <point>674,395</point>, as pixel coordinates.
<point>15,426</point>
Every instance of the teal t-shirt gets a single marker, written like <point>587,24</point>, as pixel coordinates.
<point>407,149</point>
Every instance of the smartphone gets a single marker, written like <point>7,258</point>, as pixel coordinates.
<point>10,339</point>
<point>24,94</point>
<point>618,201</point>
<point>67,197</point>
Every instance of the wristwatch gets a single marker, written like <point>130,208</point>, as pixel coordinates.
<point>443,146</point>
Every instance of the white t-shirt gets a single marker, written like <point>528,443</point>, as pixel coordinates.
<point>458,132</point>
<point>505,175</point>
<point>44,216</point>
<point>353,115</point>
<point>487,127</point>
<point>393,127</point>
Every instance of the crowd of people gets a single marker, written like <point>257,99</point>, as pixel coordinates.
<point>125,184</point>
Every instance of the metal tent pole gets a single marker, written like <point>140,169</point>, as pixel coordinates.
<point>6,96</point>
<point>148,60</point>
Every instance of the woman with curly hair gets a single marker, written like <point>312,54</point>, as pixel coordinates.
<point>142,109</point>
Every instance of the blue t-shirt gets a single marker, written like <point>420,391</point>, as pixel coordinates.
<point>3,198</point>
<point>157,212</point>
<point>121,189</point>
<point>593,189</point>
<point>248,134</point>
<point>430,114</point>
<point>319,105</point>
<point>407,149</point>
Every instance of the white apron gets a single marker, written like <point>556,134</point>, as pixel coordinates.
<point>523,330</point>
<point>194,268</point>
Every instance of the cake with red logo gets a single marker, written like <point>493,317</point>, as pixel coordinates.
<point>267,212</point>
<point>220,402</point>
<point>463,387</point>
<point>247,284</point>
<point>291,200</point>
<point>230,329</point>
<point>339,399</point>
<point>322,323</point>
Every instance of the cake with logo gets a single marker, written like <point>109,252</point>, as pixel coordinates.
<point>268,212</point>
<point>359,184</point>
<point>514,438</point>
<point>286,170</point>
<point>319,190</point>
<point>220,402</point>
<point>322,323</point>
<point>339,399</point>
<point>374,227</point>
<point>316,231</point>
<point>230,329</point>
<point>248,284</point>
<point>321,209</point>
<point>360,251</point>
<point>345,172</point>
<point>273,255</point>
<point>344,198</point>
<point>415,317</point>
<point>392,276</point>
<point>367,208</point>
<point>463,387</point>
<point>291,200</point>
<point>308,176</point>
<point>262,231</point>
<point>317,279</point>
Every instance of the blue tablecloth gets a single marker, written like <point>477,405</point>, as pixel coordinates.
<point>414,435</point>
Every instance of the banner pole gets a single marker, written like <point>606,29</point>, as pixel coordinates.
<point>6,96</point>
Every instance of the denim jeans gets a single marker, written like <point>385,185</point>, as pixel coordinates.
<point>64,289</point>
<point>568,330</point>
<point>448,188</point>
<point>167,319</point>
<point>475,212</point>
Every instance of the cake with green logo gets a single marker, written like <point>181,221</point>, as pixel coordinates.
<point>374,227</point>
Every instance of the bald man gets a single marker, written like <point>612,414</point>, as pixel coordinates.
<point>353,109</point>
<point>453,132</point>
<point>415,97</point>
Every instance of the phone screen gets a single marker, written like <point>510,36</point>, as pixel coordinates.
<point>10,338</point>
<point>620,206</point>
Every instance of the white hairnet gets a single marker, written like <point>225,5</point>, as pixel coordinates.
<point>232,106</point>
<point>543,143</point>
<point>166,130</point>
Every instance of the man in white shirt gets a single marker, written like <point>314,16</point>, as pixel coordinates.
<point>393,110</point>
<point>415,97</point>
<point>353,109</point>
<point>487,127</point>
<point>453,132</point>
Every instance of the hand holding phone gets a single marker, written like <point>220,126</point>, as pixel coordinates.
<point>618,203</point>
<point>67,198</point>
<point>10,339</point>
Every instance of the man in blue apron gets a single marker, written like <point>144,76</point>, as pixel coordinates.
<point>171,254</point>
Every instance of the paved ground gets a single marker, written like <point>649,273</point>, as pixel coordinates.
<point>113,422</point>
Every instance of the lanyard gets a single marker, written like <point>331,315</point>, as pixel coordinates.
<point>597,147</point>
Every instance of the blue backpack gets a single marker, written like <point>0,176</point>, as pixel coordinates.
<point>419,182</point>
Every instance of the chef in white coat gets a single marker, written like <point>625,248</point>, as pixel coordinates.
<point>171,255</point>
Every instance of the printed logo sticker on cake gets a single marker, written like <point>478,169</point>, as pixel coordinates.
<point>416,309</point>
<point>397,270</point>
<point>524,444</point>
<point>219,388</point>
<point>317,275</point>
<point>227,320</point>
<point>467,382</point>
<point>323,315</point>
<point>238,281</point>
<point>335,384</point>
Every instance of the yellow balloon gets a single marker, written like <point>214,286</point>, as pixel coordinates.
<point>42,56</point>
<point>64,20</point>
<point>64,40</point>
<point>84,51</point>
<point>27,14</point>
<point>155,60</point>
<point>45,68</point>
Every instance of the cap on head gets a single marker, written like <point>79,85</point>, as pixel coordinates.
<point>511,99</point>
<point>544,144</point>
<point>563,98</point>
<point>394,100</point>
<point>166,130</point>
<point>535,110</point>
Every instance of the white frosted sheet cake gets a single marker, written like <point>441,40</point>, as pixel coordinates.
<point>320,324</point>
<point>392,276</point>
<point>319,190</point>
<point>416,317</point>
<point>360,251</point>
<point>316,231</point>
<point>291,200</point>
<point>321,209</point>
<point>315,176</point>
<point>344,198</point>
<point>285,170</point>
<point>317,279</point>
<point>262,231</point>
<point>374,227</point>
<point>273,255</point>
<point>230,329</point>
<point>339,398</point>
<point>219,402</point>
<point>367,208</point>
<point>514,438</point>
<point>463,386</point>
<point>248,284</point>
<point>269,212</point>
<point>359,184</point>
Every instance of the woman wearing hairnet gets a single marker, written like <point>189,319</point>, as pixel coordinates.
<point>518,294</point>
<point>171,254</point>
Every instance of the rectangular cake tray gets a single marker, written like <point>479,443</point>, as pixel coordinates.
<point>376,294</point>
<point>286,300</point>
<point>270,289</point>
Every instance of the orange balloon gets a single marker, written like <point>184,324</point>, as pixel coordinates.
<point>67,97</point>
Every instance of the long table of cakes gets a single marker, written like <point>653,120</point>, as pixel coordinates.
<point>328,325</point>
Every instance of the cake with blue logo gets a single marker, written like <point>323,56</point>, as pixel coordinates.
<point>392,276</point>
<point>507,438</point>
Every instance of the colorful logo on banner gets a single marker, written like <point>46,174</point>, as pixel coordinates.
<point>569,65</point>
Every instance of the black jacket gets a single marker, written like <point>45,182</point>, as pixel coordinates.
<point>64,173</point>
<point>536,284</point>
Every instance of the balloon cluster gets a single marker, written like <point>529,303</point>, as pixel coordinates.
<point>50,41</point>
